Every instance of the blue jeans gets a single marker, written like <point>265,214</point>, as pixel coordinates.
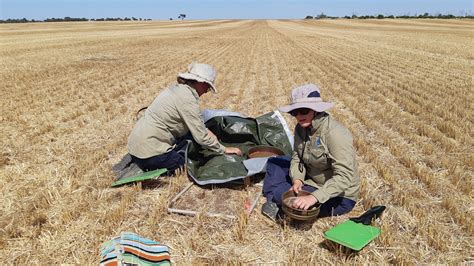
<point>277,181</point>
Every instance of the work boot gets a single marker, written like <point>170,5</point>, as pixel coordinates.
<point>271,210</point>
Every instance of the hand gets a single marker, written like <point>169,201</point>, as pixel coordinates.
<point>233,150</point>
<point>297,186</point>
<point>304,202</point>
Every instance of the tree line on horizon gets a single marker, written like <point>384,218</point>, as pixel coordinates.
<point>381,16</point>
<point>68,19</point>
<point>182,16</point>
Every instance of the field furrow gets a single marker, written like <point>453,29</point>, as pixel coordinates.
<point>431,74</point>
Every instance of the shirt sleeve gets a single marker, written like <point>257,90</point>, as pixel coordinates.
<point>295,160</point>
<point>342,154</point>
<point>191,115</point>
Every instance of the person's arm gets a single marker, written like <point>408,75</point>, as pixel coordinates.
<point>191,115</point>
<point>211,134</point>
<point>342,154</point>
<point>298,177</point>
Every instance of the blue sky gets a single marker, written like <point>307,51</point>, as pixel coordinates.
<point>213,9</point>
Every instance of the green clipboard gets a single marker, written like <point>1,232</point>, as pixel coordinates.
<point>357,232</point>
<point>141,177</point>
<point>352,235</point>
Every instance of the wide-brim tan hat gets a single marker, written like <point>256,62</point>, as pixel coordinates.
<point>306,96</point>
<point>202,73</point>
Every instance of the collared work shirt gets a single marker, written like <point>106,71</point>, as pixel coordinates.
<point>329,159</point>
<point>173,113</point>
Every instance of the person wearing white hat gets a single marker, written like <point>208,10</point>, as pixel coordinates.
<point>323,161</point>
<point>174,113</point>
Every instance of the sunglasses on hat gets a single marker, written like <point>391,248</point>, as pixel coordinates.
<point>302,111</point>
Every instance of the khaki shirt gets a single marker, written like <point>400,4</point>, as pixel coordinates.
<point>173,113</point>
<point>329,159</point>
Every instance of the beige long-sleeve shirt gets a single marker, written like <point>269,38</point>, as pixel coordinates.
<point>329,159</point>
<point>173,113</point>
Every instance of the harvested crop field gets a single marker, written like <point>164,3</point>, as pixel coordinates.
<point>70,92</point>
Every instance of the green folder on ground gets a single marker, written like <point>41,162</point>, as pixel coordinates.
<point>352,235</point>
<point>357,232</point>
<point>141,177</point>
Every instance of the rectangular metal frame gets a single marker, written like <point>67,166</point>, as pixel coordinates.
<point>212,214</point>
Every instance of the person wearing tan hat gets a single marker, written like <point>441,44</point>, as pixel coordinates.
<point>174,113</point>
<point>323,161</point>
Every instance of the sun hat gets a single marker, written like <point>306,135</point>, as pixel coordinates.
<point>306,96</point>
<point>202,73</point>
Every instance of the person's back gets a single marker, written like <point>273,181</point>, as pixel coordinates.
<point>174,113</point>
<point>157,131</point>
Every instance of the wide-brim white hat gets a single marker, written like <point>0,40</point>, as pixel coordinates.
<point>306,96</point>
<point>202,73</point>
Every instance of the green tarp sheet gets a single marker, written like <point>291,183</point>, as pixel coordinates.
<point>207,167</point>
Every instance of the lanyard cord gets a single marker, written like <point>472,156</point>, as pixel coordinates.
<point>301,163</point>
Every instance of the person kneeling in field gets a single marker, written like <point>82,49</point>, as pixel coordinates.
<point>174,113</point>
<point>323,161</point>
